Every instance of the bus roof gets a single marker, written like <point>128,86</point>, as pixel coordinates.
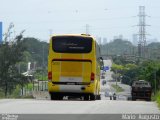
<point>82,35</point>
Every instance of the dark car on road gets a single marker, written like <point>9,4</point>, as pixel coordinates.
<point>141,90</point>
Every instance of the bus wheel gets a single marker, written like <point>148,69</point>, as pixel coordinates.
<point>53,97</point>
<point>60,97</point>
<point>98,97</point>
<point>56,97</point>
<point>86,97</point>
<point>92,97</point>
<point>133,99</point>
<point>148,99</point>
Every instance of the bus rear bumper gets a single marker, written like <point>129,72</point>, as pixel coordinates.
<point>76,89</point>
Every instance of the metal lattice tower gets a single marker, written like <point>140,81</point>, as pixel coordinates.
<point>142,32</point>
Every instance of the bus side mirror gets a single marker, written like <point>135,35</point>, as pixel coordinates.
<point>101,63</point>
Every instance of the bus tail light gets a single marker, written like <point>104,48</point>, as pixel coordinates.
<point>92,76</point>
<point>49,76</point>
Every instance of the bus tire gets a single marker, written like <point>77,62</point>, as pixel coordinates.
<point>86,97</point>
<point>92,97</point>
<point>148,99</point>
<point>98,97</point>
<point>53,97</point>
<point>56,97</point>
<point>133,99</point>
<point>59,97</point>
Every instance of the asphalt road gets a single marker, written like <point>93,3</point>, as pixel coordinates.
<point>31,106</point>
<point>104,106</point>
<point>108,88</point>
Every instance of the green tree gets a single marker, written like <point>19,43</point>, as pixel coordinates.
<point>118,70</point>
<point>36,51</point>
<point>150,71</point>
<point>147,70</point>
<point>130,74</point>
<point>11,53</point>
<point>118,47</point>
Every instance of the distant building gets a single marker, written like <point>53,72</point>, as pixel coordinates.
<point>152,40</point>
<point>99,40</point>
<point>115,37</point>
<point>104,40</point>
<point>118,37</point>
<point>135,39</point>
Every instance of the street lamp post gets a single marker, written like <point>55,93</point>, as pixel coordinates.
<point>155,81</point>
<point>43,68</point>
<point>33,83</point>
<point>116,77</point>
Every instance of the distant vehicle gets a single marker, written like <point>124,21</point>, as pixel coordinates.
<point>103,74</point>
<point>102,77</point>
<point>104,82</point>
<point>114,96</point>
<point>74,67</point>
<point>141,90</point>
<point>108,94</point>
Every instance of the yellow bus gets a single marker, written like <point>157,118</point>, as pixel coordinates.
<point>74,66</point>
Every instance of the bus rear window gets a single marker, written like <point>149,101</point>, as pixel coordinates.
<point>72,44</point>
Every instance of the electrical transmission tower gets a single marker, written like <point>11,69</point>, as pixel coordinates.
<point>142,51</point>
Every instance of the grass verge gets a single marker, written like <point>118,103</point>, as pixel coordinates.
<point>117,88</point>
<point>16,94</point>
<point>156,98</point>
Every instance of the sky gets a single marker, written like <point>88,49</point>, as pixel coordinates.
<point>105,18</point>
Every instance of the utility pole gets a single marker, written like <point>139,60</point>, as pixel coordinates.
<point>87,28</point>
<point>50,32</point>
<point>1,33</point>
<point>142,32</point>
<point>43,68</point>
<point>116,77</point>
<point>155,81</point>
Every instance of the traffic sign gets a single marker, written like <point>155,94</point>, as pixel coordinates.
<point>106,68</point>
